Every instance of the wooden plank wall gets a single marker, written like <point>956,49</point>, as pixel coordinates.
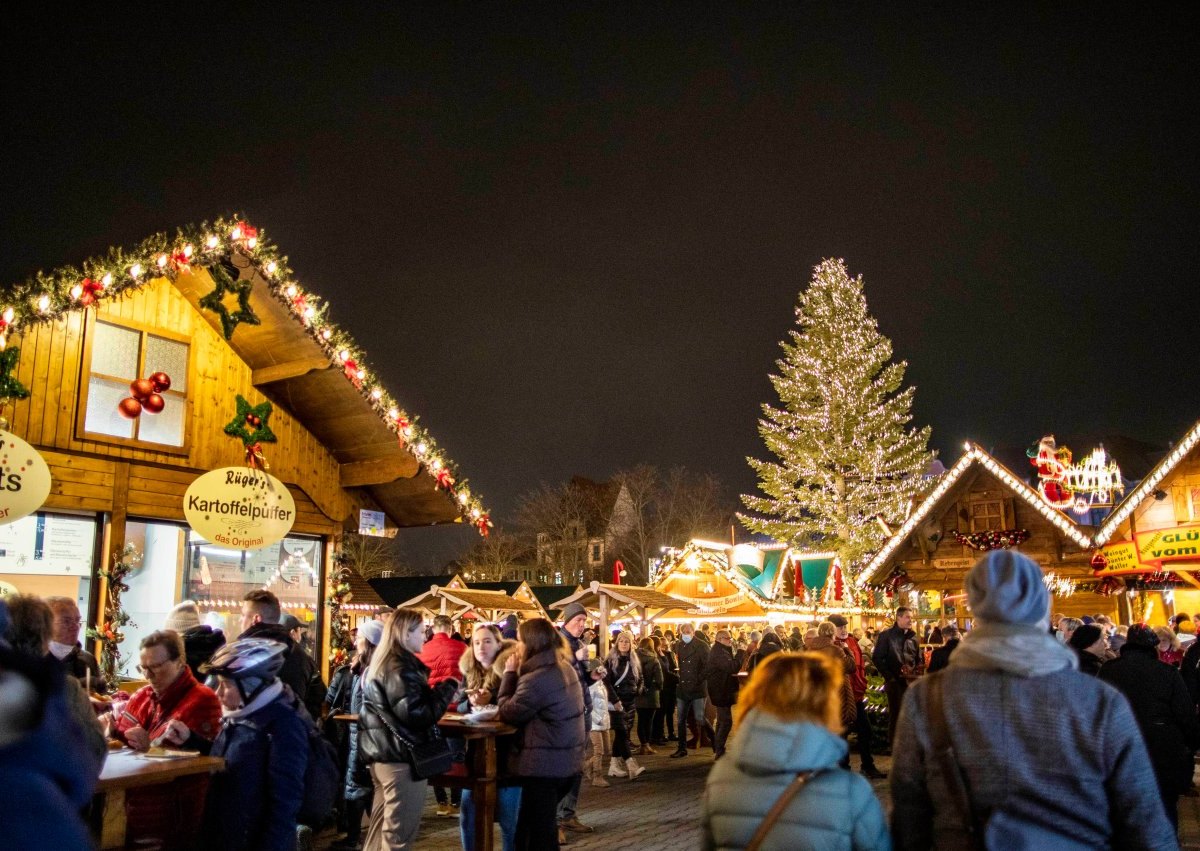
<point>51,366</point>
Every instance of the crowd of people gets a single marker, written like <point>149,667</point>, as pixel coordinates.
<point>1027,731</point>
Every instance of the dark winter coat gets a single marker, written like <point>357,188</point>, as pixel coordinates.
<point>1089,663</point>
<point>357,781</point>
<point>693,662</point>
<point>770,644</point>
<point>401,691</point>
<point>630,685</point>
<point>78,664</point>
<point>1190,669</point>
<point>585,678</point>
<point>544,703</point>
<point>199,644</point>
<point>721,675</point>
<point>895,650</point>
<point>254,802</point>
<point>300,672</point>
<point>1165,714</point>
<point>940,657</point>
<point>652,681</point>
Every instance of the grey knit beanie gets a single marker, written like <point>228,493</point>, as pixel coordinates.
<point>1006,587</point>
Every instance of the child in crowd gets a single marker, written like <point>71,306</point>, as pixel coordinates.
<point>604,701</point>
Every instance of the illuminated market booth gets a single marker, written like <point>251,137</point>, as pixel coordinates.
<point>457,600</point>
<point>980,504</point>
<point>205,430</point>
<point>635,607</point>
<point>743,584</point>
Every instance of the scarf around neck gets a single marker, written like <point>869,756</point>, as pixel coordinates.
<point>1021,649</point>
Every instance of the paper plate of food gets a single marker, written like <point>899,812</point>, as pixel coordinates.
<point>157,752</point>
<point>482,713</point>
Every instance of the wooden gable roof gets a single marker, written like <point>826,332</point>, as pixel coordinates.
<point>300,360</point>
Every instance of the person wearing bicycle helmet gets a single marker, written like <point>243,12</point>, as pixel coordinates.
<point>254,803</point>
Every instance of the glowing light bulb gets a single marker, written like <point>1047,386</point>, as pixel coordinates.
<point>8,315</point>
<point>236,233</point>
<point>271,267</point>
<point>161,261</point>
<point>464,498</point>
<point>376,393</point>
<point>188,251</point>
<point>436,464</point>
<point>310,312</point>
<point>106,281</point>
<point>135,271</point>
<point>43,303</point>
<point>360,375</point>
<point>326,333</point>
<point>290,290</point>
<point>212,241</point>
<point>343,355</point>
<point>252,242</point>
<point>420,448</point>
<point>393,414</point>
<point>76,291</point>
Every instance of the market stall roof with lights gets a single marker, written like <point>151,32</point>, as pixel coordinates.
<point>617,602</point>
<point>456,599</point>
<point>978,505</point>
<point>241,284</point>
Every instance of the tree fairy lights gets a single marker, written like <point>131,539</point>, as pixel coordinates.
<point>845,451</point>
<point>47,297</point>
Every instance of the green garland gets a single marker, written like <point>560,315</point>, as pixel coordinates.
<point>47,297</point>
<point>340,645</point>
<point>114,618</point>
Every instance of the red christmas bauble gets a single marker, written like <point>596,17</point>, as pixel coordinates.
<point>253,421</point>
<point>129,408</point>
<point>141,388</point>
<point>153,404</point>
<point>161,382</point>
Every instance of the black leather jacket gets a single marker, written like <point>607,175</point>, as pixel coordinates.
<point>402,692</point>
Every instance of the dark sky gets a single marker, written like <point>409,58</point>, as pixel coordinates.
<point>572,241</point>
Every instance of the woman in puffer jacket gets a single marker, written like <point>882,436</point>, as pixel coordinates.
<point>790,723</point>
<point>647,702</point>
<point>397,693</point>
<point>482,667</point>
<point>545,703</point>
<point>625,674</point>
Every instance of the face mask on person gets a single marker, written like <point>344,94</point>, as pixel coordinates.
<point>687,638</point>
<point>1058,633</point>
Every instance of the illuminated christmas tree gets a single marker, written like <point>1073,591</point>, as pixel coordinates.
<point>846,454</point>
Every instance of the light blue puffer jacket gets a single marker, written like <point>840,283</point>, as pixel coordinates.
<point>835,810</point>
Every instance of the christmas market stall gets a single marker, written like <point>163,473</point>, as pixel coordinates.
<point>1149,546</point>
<point>746,584</point>
<point>185,421</point>
<point>459,601</point>
<point>637,606</point>
<point>978,505</point>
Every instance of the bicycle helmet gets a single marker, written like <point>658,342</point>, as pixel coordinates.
<point>252,663</point>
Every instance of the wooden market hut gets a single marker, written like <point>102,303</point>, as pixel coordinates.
<point>458,600</point>
<point>217,311</point>
<point>1150,543</point>
<point>976,505</point>
<point>613,603</point>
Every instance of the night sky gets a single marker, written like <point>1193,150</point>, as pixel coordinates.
<point>572,242</point>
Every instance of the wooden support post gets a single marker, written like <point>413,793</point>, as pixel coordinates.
<point>603,636</point>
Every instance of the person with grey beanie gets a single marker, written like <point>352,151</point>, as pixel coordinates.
<point>1038,755</point>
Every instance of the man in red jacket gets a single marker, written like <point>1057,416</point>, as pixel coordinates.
<point>862,724</point>
<point>170,813</point>
<point>441,655</point>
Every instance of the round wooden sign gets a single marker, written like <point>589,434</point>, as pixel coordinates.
<point>240,508</point>
<point>24,478</point>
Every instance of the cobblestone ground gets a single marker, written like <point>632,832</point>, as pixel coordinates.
<point>660,811</point>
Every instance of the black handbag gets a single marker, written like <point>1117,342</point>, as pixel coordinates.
<point>429,758</point>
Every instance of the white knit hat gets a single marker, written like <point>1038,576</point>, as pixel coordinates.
<point>183,617</point>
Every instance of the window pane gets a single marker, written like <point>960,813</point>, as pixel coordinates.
<point>217,578</point>
<point>115,351</point>
<point>166,426</point>
<point>167,356</point>
<point>153,584</point>
<point>102,416</point>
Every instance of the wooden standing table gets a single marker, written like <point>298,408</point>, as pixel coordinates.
<point>126,769</point>
<point>482,771</point>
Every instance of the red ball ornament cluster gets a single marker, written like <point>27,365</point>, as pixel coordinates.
<point>145,395</point>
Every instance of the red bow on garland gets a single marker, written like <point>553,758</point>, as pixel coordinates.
<point>484,523</point>
<point>351,369</point>
<point>245,232</point>
<point>443,478</point>
<point>181,260</point>
<point>89,291</point>
<point>255,459</point>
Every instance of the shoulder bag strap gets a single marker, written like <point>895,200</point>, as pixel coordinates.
<point>778,807</point>
<point>943,751</point>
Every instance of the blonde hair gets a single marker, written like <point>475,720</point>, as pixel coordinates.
<point>826,629</point>
<point>1167,634</point>
<point>391,644</point>
<point>614,655</point>
<point>796,687</point>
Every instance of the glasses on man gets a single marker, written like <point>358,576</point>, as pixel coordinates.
<point>70,621</point>
<point>150,670</point>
